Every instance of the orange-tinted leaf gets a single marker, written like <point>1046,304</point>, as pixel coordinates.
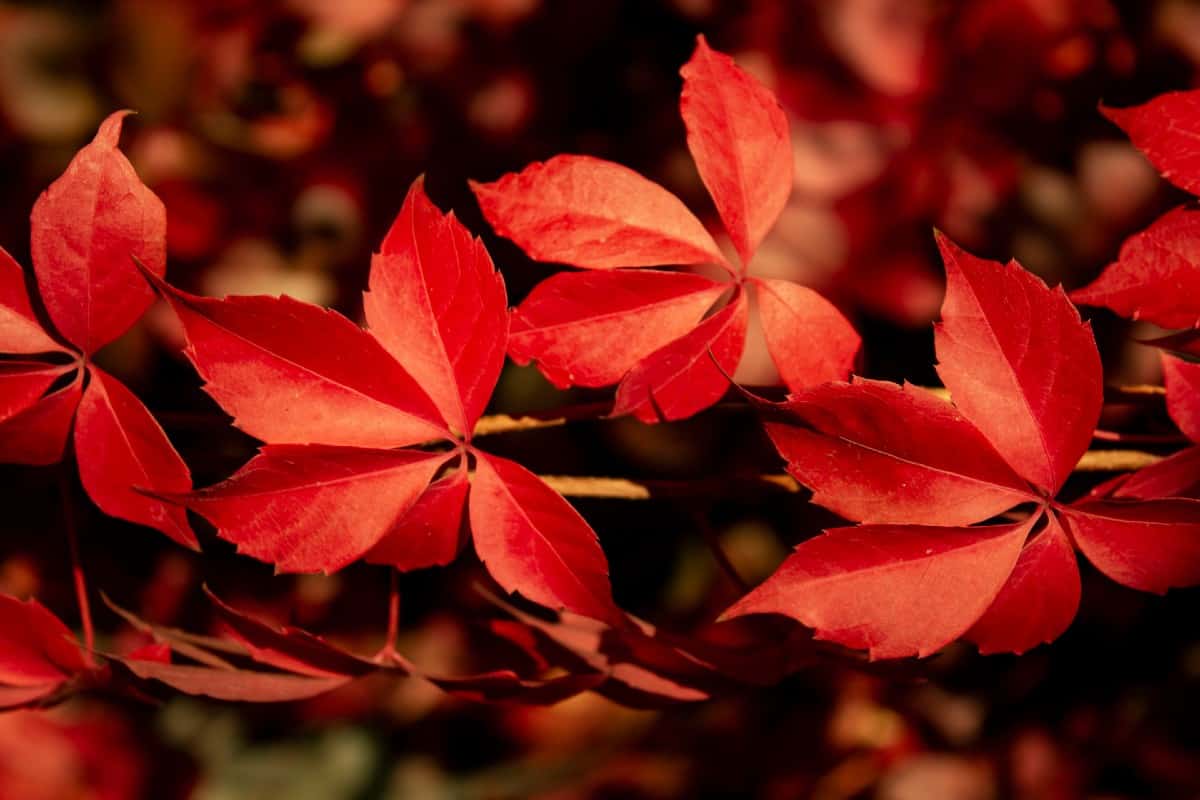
<point>893,590</point>
<point>1019,364</point>
<point>315,508</point>
<point>84,230</point>
<point>534,543</point>
<point>680,378</point>
<point>877,452</point>
<point>594,214</point>
<point>121,449</point>
<point>808,338</point>
<point>431,533</point>
<point>439,307</point>
<point>738,135</point>
<point>235,684</point>
<point>1039,599</point>
<point>591,328</point>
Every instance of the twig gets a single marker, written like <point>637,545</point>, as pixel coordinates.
<point>77,575</point>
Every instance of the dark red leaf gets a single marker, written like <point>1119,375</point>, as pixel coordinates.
<point>38,434</point>
<point>431,533</point>
<point>121,449</point>
<point>1151,545</point>
<point>1182,379</point>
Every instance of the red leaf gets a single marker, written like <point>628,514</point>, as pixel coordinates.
<point>894,590</point>
<point>235,684</point>
<point>591,328</point>
<point>1165,129</point>
<point>294,373</point>
<point>1156,276</point>
<point>36,649</point>
<point>439,307</point>
<point>315,508</point>
<point>1019,364</point>
<point>38,435</point>
<point>84,229</point>
<point>881,453</point>
<point>594,214</point>
<point>1039,600</point>
<point>1182,380</point>
<point>808,338</point>
<point>20,331</point>
<point>22,384</point>
<point>680,378</point>
<point>1178,475</point>
<point>1151,545</point>
<point>738,135</point>
<point>533,542</point>
<point>431,533</point>
<point>120,449</point>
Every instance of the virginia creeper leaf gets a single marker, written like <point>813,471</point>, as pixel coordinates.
<point>22,384</point>
<point>1019,364</point>
<point>431,533</point>
<point>535,543</point>
<point>235,684</point>
<point>1182,379</point>
<point>896,591</point>
<point>293,373</point>
<point>680,378</point>
<point>1151,545</point>
<point>38,435</point>
<point>1156,276</point>
<point>738,135</point>
<point>594,214</point>
<point>877,452</point>
<point>84,229</point>
<point>591,328</point>
<point>121,448</point>
<point>36,648</point>
<point>315,508</point>
<point>1039,599</point>
<point>1165,129</point>
<point>439,307</point>
<point>808,338</point>
<point>20,331</point>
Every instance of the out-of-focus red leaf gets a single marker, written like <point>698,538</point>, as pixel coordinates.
<point>877,452</point>
<point>1039,599</point>
<point>594,214</point>
<point>235,684</point>
<point>294,373</point>
<point>738,135</point>
<point>1150,545</point>
<point>439,307</point>
<point>20,331</point>
<point>431,533</point>
<point>1019,364</point>
<point>38,654</point>
<point>535,543</point>
<point>808,338</point>
<point>1178,475</point>
<point>121,449</point>
<point>895,591</point>
<point>38,435</point>
<point>84,229</point>
<point>591,328</point>
<point>679,379</point>
<point>1165,130</point>
<point>1182,379</point>
<point>1156,276</point>
<point>315,508</point>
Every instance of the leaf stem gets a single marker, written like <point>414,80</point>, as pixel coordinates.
<point>388,653</point>
<point>77,574</point>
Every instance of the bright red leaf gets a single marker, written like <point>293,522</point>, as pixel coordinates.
<point>431,533</point>
<point>648,331</point>
<point>1165,130</point>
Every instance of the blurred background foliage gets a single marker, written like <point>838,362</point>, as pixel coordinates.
<point>282,137</point>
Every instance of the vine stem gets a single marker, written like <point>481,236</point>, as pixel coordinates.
<point>625,489</point>
<point>77,574</point>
